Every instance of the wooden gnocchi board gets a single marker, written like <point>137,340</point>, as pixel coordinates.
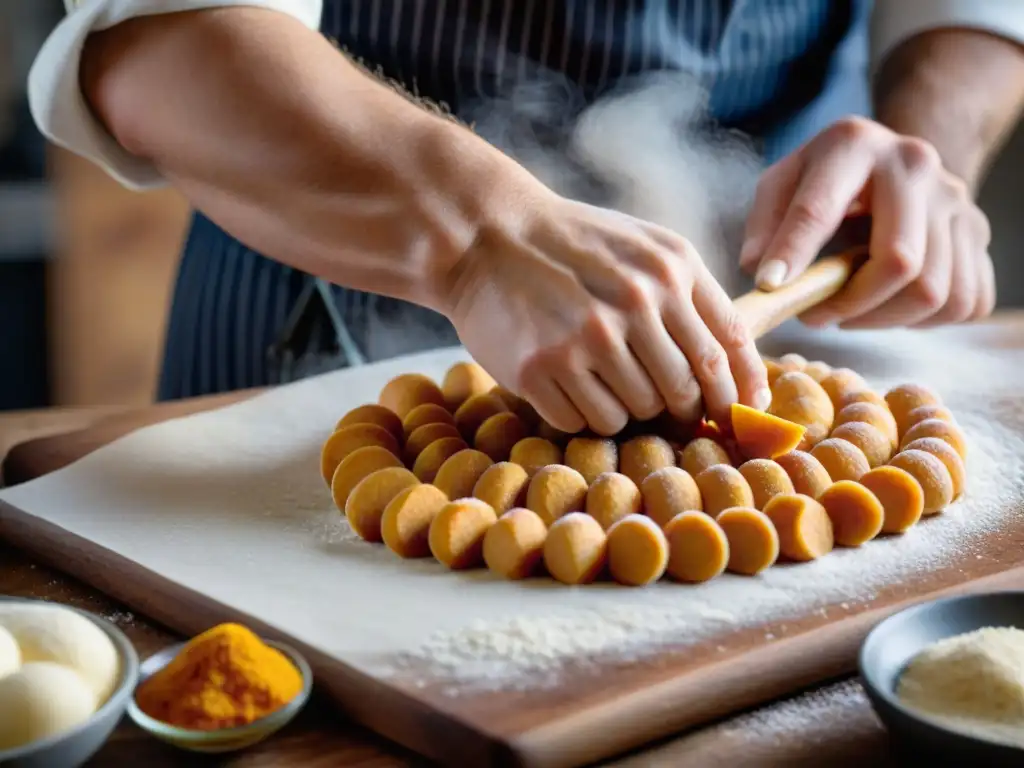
<point>222,516</point>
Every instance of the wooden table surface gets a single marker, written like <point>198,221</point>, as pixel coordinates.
<point>320,737</point>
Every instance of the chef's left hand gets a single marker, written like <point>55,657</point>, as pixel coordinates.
<point>929,261</point>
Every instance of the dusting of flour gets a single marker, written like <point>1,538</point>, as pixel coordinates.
<point>616,624</point>
<point>229,504</point>
<point>798,731</point>
<point>801,716</point>
<point>530,650</point>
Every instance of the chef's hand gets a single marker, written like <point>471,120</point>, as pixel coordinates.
<point>596,317</point>
<point>929,261</point>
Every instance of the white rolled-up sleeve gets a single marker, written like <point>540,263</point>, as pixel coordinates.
<point>896,21</point>
<point>55,96</point>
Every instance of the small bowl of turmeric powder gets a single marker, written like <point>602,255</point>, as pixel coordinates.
<point>223,690</point>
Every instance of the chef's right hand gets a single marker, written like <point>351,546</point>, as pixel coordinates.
<point>597,317</point>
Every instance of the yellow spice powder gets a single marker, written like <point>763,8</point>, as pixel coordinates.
<point>223,678</point>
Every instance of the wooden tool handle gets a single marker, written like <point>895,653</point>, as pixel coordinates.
<point>765,310</point>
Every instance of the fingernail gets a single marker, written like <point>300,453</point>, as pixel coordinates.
<point>763,399</point>
<point>771,274</point>
<point>751,247</point>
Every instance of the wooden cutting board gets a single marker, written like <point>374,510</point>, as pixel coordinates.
<point>591,714</point>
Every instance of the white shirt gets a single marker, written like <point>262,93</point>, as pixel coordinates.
<point>60,111</point>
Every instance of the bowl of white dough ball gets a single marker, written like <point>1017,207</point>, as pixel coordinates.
<point>946,677</point>
<point>65,679</point>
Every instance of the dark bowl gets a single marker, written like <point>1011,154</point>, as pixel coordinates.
<point>891,645</point>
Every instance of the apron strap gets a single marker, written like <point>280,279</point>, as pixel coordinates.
<point>303,332</point>
<point>346,344</point>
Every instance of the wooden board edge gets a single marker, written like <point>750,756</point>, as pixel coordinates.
<point>15,468</point>
<point>695,698</point>
<point>19,464</point>
<point>389,711</point>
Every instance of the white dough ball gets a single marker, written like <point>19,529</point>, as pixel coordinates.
<point>10,654</point>
<point>53,633</point>
<point>42,699</point>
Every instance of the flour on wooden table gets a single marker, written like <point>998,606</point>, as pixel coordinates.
<point>230,504</point>
<point>833,726</point>
<point>845,704</point>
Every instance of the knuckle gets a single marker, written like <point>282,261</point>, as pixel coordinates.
<point>711,362</point>
<point>982,227</point>
<point>811,213</point>
<point>903,265</point>
<point>533,366</point>
<point>918,155</point>
<point>959,307</point>
<point>661,270</point>
<point>735,334</point>
<point>598,333</point>
<point>634,293</point>
<point>547,360</point>
<point>687,247</point>
<point>930,294</point>
<point>956,188</point>
<point>682,248</point>
<point>682,393</point>
<point>851,128</point>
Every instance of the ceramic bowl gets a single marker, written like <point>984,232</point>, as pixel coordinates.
<point>73,748</point>
<point>225,739</point>
<point>894,642</point>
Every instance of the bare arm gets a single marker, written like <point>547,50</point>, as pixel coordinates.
<point>283,141</point>
<point>960,89</point>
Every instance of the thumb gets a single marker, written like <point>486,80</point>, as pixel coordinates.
<point>776,187</point>
<point>821,203</point>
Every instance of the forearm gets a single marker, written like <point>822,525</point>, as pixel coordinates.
<point>275,135</point>
<point>960,89</point>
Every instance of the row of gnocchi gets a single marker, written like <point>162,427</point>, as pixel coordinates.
<point>821,399</point>
<point>414,414</point>
<point>576,549</point>
<point>424,424</point>
<point>693,529</point>
<point>857,430</point>
<point>502,427</point>
<point>635,503</point>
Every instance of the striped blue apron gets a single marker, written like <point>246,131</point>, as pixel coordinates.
<point>779,70</point>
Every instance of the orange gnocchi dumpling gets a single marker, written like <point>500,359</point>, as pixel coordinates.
<point>761,435</point>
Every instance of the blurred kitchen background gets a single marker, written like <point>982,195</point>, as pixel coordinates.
<point>86,267</point>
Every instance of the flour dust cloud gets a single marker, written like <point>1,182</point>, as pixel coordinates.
<point>646,147</point>
<point>641,144</point>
